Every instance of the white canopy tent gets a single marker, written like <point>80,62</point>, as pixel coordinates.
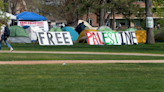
<point>11,17</point>
<point>87,24</point>
<point>8,15</point>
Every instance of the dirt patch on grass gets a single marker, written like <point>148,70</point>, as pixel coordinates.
<point>80,61</point>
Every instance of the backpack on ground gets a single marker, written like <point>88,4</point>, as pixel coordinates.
<point>7,32</point>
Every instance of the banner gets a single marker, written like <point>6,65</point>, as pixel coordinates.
<point>41,24</point>
<point>111,38</point>
<point>128,38</point>
<point>54,38</point>
<point>94,38</point>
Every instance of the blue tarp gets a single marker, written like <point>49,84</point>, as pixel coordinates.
<point>73,33</point>
<point>25,27</point>
<point>30,16</point>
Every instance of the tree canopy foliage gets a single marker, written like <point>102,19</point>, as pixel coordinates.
<point>159,11</point>
<point>71,10</point>
<point>3,18</point>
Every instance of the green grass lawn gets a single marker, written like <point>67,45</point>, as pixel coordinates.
<point>140,48</point>
<point>116,77</point>
<point>43,56</point>
<point>82,78</point>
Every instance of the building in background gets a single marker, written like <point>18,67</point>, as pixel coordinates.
<point>119,18</point>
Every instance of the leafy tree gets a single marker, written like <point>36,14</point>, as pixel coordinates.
<point>58,9</point>
<point>66,9</point>
<point>159,7</point>
<point>5,4</point>
<point>87,6</point>
<point>71,10</point>
<point>125,7</point>
<point>3,18</point>
<point>158,10</point>
<point>14,4</point>
<point>41,7</point>
<point>143,24</point>
<point>38,6</point>
<point>95,6</point>
<point>128,9</point>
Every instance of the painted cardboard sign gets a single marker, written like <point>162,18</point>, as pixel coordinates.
<point>54,38</point>
<point>111,38</point>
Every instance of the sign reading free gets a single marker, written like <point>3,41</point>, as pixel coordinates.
<point>54,38</point>
<point>111,38</point>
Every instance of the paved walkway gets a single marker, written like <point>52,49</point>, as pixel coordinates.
<point>82,61</point>
<point>77,52</point>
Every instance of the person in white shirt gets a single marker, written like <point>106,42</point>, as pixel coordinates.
<point>158,26</point>
<point>119,26</point>
<point>107,24</point>
<point>2,36</point>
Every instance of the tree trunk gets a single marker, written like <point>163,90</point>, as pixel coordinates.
<point>25,6</point>
<point>129,23</point>
<point>87,14</point>
<point>113,21</point>
<point>101,17</point>
<point>108,20</point>
<point>149,29</point>
<point>9,8</point>
<point>5,5</point>
<point>102,14</point>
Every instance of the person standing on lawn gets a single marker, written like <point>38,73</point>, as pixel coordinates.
<point>2,36</point>
<point>80,27</point>
<point>158,26</point>
<point>119,26</point>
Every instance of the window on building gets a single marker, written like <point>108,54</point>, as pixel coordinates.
<point>108,1</point>
<point>90,21</point>
<point>137,22</point>
<point>140,0</point>
<point>154,10</point>
<point>122,24</point>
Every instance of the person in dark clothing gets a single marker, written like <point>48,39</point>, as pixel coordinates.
<point>2,35</point>
<point>119,26</point>
<point>129,26</point>
<point>49,25</point>
<point>80,27</point>
<point>107,24</point>
<point>61,26</point>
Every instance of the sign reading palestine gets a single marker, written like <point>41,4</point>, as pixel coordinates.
<point>111,38</point>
